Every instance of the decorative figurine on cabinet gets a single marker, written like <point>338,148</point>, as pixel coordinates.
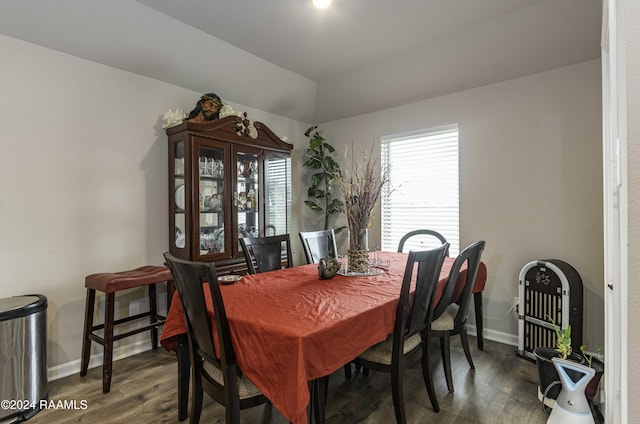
<point>207,109</point>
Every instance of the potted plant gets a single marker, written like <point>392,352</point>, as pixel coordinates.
<point>598,366</point>
<point>324,179</point>
<point>549,381</point>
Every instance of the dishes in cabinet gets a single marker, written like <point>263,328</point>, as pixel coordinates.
<point>214,203</point>
<point>180,241</point>
<point>212,241</point>
<point>180,202</point>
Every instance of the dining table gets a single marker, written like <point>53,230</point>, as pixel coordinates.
<point>290,328</point>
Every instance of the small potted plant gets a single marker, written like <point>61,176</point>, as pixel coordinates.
<point>549,381</point>
<point>595,363</point>
<point>548,378</point>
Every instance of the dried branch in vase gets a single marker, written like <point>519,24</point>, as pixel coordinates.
<point>361,184</point>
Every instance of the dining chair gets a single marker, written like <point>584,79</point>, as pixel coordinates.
<point>270,230</point>
<point>264,254</point>
<point>213,365</point>
<point>450,315</point>
<point>319,245</point>
<point>411,328</point>
<point>423,242</point>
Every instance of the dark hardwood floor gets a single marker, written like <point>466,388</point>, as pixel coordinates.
<point>502,389</point>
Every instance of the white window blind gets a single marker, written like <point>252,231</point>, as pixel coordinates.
<point>423,186</point>
<point>278,188</point>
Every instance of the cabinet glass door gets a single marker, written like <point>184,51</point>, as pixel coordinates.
<point>179,195</point>
<point>246,195</point>
<point>211,200</point>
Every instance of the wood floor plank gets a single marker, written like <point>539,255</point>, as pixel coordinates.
<point>502,389</point>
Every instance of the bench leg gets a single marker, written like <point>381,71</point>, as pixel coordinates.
<point>107,362</point>
<point>153,316</point>
<point>88,326</point>
<point>477,303</point>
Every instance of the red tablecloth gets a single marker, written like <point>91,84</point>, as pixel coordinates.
<point>289,327</point>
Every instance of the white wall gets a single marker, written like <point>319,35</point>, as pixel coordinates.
<point>530,177</point>
<point>629,36</point>
<point>84,172</point>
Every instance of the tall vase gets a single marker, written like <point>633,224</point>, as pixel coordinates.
<point>358,252</point>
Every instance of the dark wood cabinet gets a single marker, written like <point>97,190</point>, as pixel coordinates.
<point>227,179</point>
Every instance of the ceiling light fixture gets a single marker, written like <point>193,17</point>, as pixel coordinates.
<point>322,4</point>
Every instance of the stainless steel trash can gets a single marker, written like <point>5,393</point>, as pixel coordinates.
<point>23,362</point>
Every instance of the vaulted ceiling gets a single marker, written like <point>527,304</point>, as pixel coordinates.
<point>288,58</point>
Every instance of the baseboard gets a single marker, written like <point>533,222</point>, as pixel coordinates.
<point>496,336</point>
<point>73,367</point>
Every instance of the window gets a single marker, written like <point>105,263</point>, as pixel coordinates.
<point>278,192</point>
<point>422,192</point>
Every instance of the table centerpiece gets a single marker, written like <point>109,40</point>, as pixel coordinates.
<point>360,185</point>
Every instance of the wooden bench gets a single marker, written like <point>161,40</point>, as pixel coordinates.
<point>110,283</point>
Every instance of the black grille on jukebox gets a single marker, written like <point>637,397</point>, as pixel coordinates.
<point>549,288</point>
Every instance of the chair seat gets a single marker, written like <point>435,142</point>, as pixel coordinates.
<point>109,282</point>
<point>246,389</point>
<point>446,321</point>
<point>381,353</point>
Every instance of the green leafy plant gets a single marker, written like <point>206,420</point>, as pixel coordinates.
<point>324,179</point>
<point>586,356</point>
<point>563,339</point>
<point>589,357</point>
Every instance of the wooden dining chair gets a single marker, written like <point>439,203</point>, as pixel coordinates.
<point>450,314</point>
<point>264,254</point>
<point>411,329</point>
<point>213,366</point>
<point>319,245</point>
<point>418,240</point>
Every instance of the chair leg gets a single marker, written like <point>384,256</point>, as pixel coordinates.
<point>319,390</point>
<point>171,289</point>
<point>107,360</point>
<point>153,316</point>
<point>361,368</point>
<point>397,393</point>
<point>477,305</point>
<point>184,373</point>
<point>312,401</point>
<point>196,401</point>
<point>88,326</point>
<point>445,349</point>
<point>464,338</point>
<point>428,377</point>
<point>347,370</point>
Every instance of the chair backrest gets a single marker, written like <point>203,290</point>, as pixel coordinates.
<point>270,230</point>
<point>471,255</point>
<point>422,242</point>
<point>412,318</point>
<point>319,245</point>
<point>189,278</point>
<point>264,254</point>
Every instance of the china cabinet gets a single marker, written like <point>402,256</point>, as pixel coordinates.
<point>228,178</point>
